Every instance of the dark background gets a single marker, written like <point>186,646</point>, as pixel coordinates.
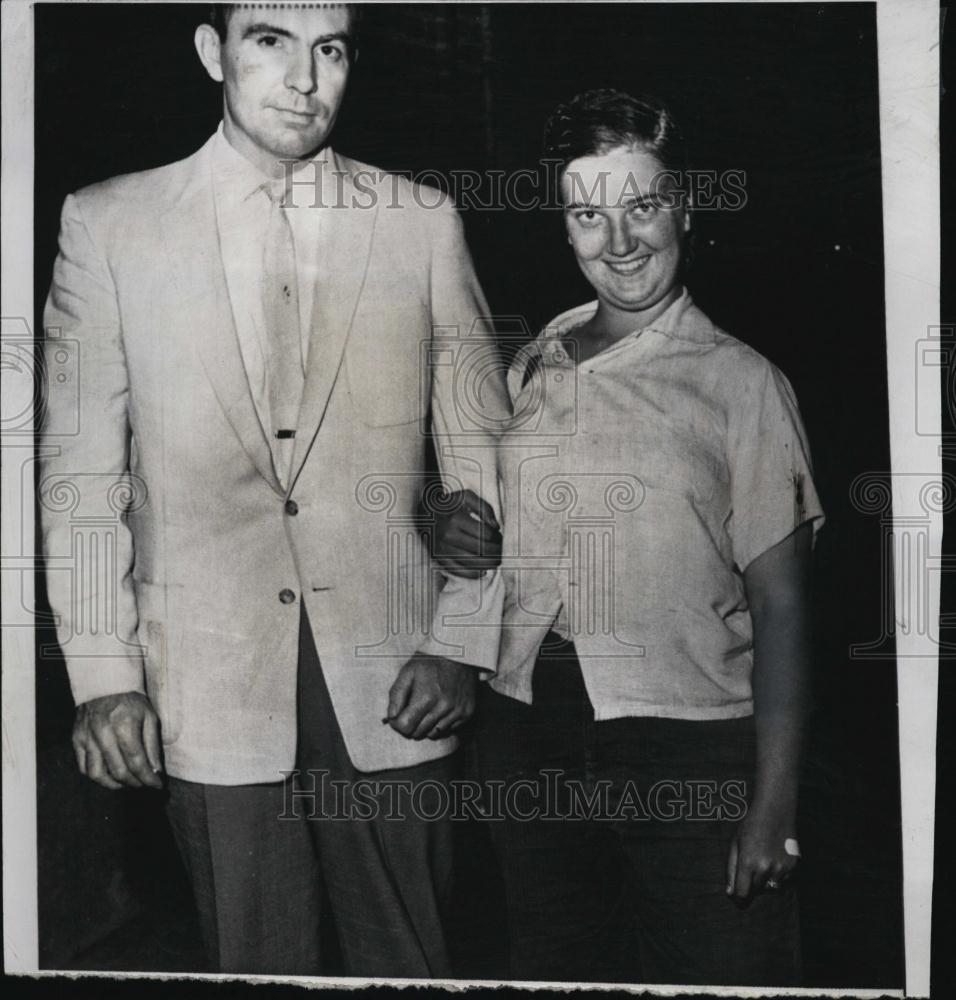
<point>787,93</point>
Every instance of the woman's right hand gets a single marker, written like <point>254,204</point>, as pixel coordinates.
<point>467,538</point>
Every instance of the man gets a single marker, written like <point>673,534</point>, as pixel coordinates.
<point>257,361</point>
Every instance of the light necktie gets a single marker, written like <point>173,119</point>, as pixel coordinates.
<point>280,301</point>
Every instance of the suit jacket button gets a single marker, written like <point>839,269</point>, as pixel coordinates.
<point>291,508</point>
<point>286,596</point>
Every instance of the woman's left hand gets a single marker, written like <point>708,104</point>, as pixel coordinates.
<point>759,860</point>
<point>467,537</point>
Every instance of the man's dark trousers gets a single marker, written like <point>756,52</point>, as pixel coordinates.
<point>258,879</point>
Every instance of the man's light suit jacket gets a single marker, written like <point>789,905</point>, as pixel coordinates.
<point>190,591</point>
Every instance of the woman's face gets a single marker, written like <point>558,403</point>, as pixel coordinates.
<point>626,220</point>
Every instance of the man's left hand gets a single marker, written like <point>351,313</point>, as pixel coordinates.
<point>431,697</point>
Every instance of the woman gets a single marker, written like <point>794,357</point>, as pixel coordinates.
<point>659,509</point>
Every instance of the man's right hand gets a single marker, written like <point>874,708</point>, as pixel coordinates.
<point>467,539</point>
<point>116,741</point>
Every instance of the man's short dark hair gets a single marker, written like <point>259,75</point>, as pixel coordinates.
<point>220,14</point>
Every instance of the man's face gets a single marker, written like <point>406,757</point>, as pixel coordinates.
<point>284,72</point>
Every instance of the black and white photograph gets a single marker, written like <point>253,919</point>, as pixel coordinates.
<point>473,485</point>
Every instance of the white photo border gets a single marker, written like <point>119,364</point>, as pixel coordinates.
<point>909,79</point>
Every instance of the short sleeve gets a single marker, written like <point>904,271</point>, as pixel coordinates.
<point>772,488</point>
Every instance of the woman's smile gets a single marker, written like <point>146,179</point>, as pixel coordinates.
<point>628,267</point>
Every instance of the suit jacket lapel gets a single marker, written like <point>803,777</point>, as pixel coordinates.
<point>351,228</point>
<point>191,237</point>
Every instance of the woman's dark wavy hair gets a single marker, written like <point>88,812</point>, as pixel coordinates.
<point>597,121</point>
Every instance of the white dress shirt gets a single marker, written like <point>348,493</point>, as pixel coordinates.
<point>242,209</point>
